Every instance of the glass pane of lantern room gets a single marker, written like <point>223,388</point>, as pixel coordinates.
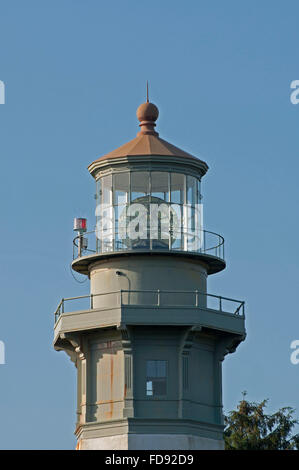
<point>107,190</point>
<point>121,188</point>
<point>106,223</point>
<point>199,197</point>
<point>192,236</point>
<point>121,185</point>
<point>199,217</point>
<point>177,184</point>
<point>177,197</point>
<point>139,185</point>
<point>98,215</point>
<point>191,190</point>
<point>98,191</point>
<point>159,185</point>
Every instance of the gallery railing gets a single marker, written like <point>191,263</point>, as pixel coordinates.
<point>154,299</point>
<point>201,241</point>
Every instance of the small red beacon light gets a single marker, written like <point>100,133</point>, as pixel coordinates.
<point>80,224</point>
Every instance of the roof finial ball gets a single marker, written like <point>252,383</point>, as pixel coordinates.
<point>147,114</point>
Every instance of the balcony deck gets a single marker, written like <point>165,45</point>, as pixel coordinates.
<point>152,308</point>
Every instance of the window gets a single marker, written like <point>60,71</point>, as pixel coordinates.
<point>107,190</point>
<point>198,192</point>
<point>104,212</point>
<point>156,378</point>
<point>191,190</point>
<point>177,186</point>
<point>121,194</point>
<point>139,185</point>
<point>121,185</point>
<point>160,185</point>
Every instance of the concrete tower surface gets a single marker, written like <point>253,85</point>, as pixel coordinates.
<point>149,346</point>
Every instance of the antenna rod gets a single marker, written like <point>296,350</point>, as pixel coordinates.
<point>147,91</point>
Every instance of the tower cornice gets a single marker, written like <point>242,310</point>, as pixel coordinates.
<point>192,164</point>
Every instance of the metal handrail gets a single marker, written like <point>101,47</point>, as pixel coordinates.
<point>218,248</point>
<point>240,308</point>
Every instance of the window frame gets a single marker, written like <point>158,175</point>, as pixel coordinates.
<point>152,378</point>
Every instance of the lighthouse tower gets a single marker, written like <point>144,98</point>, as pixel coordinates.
<point>149,342</point>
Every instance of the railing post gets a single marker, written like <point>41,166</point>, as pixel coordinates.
<point>158,298</point>
<point>80,246</point>
<point>220,304</point>
<point>62,305</point>
<point>196,298</point>
<point>91,301</point>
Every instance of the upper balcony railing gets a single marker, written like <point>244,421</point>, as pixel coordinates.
<point>151,299</point>
<point>198,242</point>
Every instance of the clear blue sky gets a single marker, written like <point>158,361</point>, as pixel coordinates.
<point>75,72</point>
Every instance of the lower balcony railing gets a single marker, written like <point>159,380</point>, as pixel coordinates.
<point>151,299</point>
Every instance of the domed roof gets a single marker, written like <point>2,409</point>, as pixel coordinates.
<point>147,141</point>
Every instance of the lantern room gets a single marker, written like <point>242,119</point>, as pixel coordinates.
<point>148,198</point>
<point>148,209</point>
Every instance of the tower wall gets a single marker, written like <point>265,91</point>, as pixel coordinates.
<point>146,273</point>
<point>114,411</point>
